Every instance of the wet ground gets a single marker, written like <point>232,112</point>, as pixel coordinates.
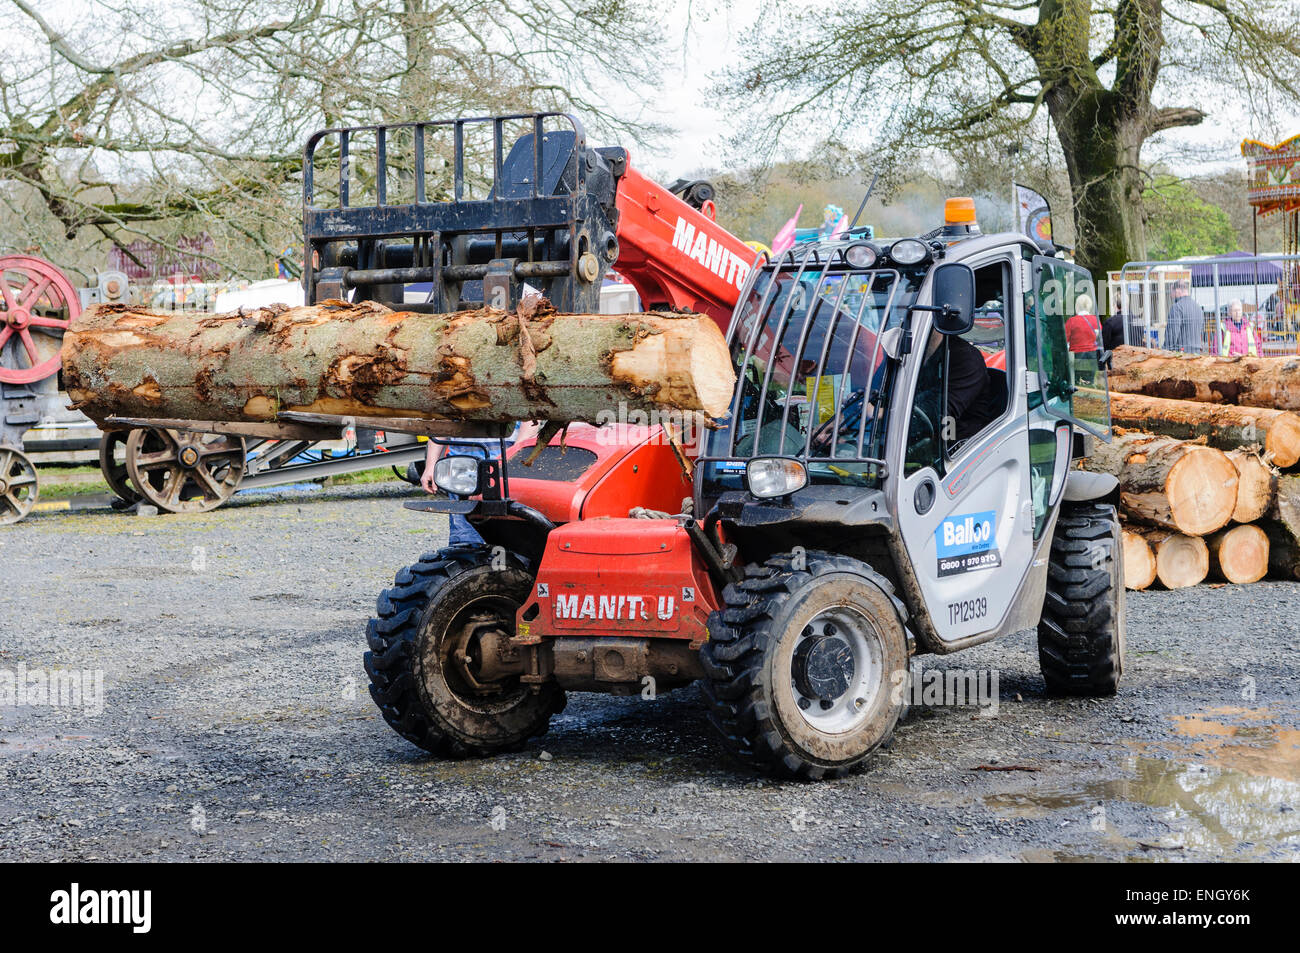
<point>235,724</point>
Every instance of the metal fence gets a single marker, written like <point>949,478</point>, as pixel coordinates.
<point>1228,305</point>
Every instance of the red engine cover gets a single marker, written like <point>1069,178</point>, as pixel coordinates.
<point>619,577</point>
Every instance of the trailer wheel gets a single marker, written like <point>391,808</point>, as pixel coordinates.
<point>1081,634</point>
<point>426,650</point>
<point>114,469</point>
<point>802,665</point>
<point>181,472</point>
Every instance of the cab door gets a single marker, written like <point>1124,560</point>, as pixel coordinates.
<point>963,499</point>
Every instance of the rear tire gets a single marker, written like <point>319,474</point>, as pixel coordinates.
<point>426,625</point>
<point>1081,634</point>
<point>802,666</point>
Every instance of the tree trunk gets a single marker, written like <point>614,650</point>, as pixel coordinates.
<point>1255,481</point>
<point>1102,145</point>
<point>1225,427</point>
<point>365,360</point>
<point>1181,561</point>
<point>1272,382</point>
<point>1139,561</point>
<point>1180,485</point>
<point>1239,554</point>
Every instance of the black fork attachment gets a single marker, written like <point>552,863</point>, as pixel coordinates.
<point>547,216</point>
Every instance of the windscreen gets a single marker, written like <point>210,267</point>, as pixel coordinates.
<point>806,346</point>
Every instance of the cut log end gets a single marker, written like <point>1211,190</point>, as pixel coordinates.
<point>1181,561</point>
<point>1282,440</point>
<point>1239,555</point>
<point>1254,486</point>
<point>1139,562</point>
<point>1202,492</point>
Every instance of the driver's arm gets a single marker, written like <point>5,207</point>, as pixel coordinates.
<point>968,375</point>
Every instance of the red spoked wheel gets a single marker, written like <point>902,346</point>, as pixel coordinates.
<point>37,303</point>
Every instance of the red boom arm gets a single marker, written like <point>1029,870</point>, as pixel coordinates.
<point>676,256</point>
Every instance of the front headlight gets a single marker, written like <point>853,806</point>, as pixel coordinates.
<point>861,255</point>
<point>459,475</point>
<point>775,476</point>
<point>909,251</point>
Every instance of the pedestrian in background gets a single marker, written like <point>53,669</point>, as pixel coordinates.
<point>1112,331</point>
<point>1185,325</point>
<point>1083,330</point>
<point>1238,336</point>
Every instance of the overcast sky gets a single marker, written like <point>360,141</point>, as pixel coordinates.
<point>714,41</point>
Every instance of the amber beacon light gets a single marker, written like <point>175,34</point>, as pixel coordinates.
<point>959,211</point>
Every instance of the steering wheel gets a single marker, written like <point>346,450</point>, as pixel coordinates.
<point>921,431</point>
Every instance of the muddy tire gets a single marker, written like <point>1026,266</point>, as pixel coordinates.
<point>801,665</point>
<point>422,650</point>
<point>1081,633</point>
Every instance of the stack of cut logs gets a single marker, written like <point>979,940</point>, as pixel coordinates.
<point>1201,450</point>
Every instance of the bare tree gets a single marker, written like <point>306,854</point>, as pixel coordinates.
<point>1110,75</point>
<point>148,118</point>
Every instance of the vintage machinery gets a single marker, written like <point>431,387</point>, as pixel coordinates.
<point>38,302</point>
<point>187,466</point>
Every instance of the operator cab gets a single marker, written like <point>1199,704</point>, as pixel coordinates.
<point>911,389</point>
<point>812,340</point>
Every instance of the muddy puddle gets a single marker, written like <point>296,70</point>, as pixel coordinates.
<point>1227,784</point>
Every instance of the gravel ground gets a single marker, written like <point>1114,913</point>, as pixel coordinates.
<point>236,725</point>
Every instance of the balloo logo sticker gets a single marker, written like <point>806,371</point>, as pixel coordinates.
<point>967,542</point>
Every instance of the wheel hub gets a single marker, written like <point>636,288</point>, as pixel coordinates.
<point>823,667</point>
<point>188,457</point>
<point>482,654</point>
<point>18,319</point>
<point>835,670</point>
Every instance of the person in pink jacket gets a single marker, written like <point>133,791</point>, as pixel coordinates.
<point>1239,337</point>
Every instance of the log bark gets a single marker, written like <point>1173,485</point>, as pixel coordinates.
<point>1179,485</point>
<point>1255,485</point>
<point>1139,561</point>
<point>1112,456</point>
<point>1181,560</point>
<point>1239,554</point>
<point>1222,426</point>
<point>1282,525</point>
<point>365,360</point>
<point>1250,381</point>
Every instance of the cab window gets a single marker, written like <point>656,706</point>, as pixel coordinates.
<point>962,384</point>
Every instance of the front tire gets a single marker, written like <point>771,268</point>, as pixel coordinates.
<point>1081,634</point>
<point>427,643</point>
<point>803,666</point>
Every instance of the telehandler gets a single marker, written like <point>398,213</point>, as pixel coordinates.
<point>873,494</point>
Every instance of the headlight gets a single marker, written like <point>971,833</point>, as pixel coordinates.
<point>861,256</point>
<point>457,475</point>
<point>909,251</point>
<point>775,476</point>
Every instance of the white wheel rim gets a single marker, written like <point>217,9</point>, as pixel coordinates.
<point>835,670</point>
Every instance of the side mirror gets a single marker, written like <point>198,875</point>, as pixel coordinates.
<point>953,296</point>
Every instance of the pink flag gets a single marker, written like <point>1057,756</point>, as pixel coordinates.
<point>785,237</point>
<point>841,227</point>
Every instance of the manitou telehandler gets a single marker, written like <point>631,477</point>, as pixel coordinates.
<point>873,493</point>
